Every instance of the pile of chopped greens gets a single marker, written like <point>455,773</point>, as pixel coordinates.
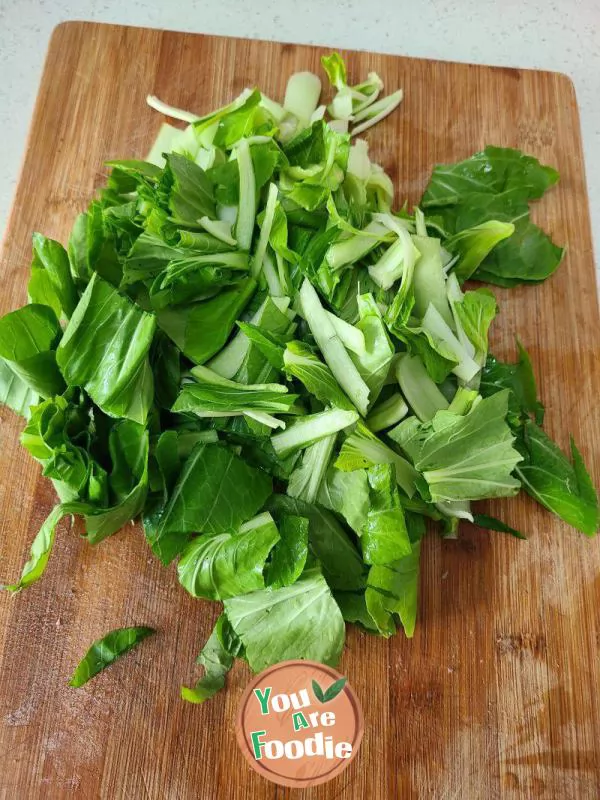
<point>285,379</point>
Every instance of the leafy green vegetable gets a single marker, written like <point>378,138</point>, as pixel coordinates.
<point>384,536</point>
<point>106,650</point>
<point>40,551</point>
<point>14,392</point>
<point>493,187</point>
<point>105,350</point>
<point>328,542</point>
<point>464,457</point>
<point>300,361</point>
<point>200,330</point>
<point>248,348</point>
<point>565,489</point>
<point>216,492</point>
<point>217,658</point>
<point>392,589</point>
<point>301,620</point>
<point>220,565</point>
<point>51,283</point>
<point>346,493</point>
<point>519,378</point>
<point>289,555</point>
<point>28,339</point>
<point>363,449</point>
<point>493,524</point>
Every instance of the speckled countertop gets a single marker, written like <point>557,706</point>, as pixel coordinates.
<point>561,35</point>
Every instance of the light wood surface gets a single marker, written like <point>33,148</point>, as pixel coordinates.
<point>497,694</point>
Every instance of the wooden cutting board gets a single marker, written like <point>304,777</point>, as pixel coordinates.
<point>497,694</point>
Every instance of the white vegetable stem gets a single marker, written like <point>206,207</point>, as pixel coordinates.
<point>171,111</point>
<point>334,352</point>
<point>433,323</point>
<point>352,338</point>
<point>219,229</point>
<point>302,95</point>
<point>376,112</point>
<point>387,413</point>
<point>265,231</point>
<point>422,394</point>
<point>309,429</point>
<point>247,207</point>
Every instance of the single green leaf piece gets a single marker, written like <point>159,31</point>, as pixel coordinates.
<point>217,658</point>
<point>297,621</point>
<point>106,650</point>
<point>105,351</point>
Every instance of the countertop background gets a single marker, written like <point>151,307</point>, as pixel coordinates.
<point>563,35</point>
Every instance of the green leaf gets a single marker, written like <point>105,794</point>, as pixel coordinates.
<point>106,650</point>
<point>346,493</point>
<point>297,621</point>
<point>211,395</point>
<point>14,392</point>
<point>529,256</point>
<point>494,170</point>
<point>392,590</point>
<point>188,189</point>
<point>216,491</point>
<point>519,378</point>
<point>165,362</point>
<point>475,313</point>
<point>50,282</point>
<point>105,350</point>
<point>496,185</point>
<point>289,554</point>
<point>128,446</point>
<point>493,524</point>
<point>300,361</point>
<point>220,565</point>
<point>271,345</point>
<point>385,536</point>
<point>308,475</point>
<point>465,457</point>
<point>28,338</point>
<point>40,551</point>
<point>473,245</point>
<point>217,658</point>
<point>373,363</point>
<point>328,542</point>
<point>363,449</point>
<point>565,489</point>
<point>200,330</point>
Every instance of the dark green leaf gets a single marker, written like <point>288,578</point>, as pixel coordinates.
<point>217,659</point>
<point>200,330</point>
<point>332,692</point>
<point>220,565</point>
<point>289,555</point>
<point>493,524</point>
<point>216,491</point>
<point>105,350</point>
<point>51,282</point>
<point>106,650</point>
<point>565,489</point>
<point>329,543</point>
<point>28,338</point>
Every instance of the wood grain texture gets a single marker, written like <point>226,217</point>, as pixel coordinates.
<point>497,694</point>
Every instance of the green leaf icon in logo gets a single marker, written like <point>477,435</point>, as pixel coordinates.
<point>329,694</point>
